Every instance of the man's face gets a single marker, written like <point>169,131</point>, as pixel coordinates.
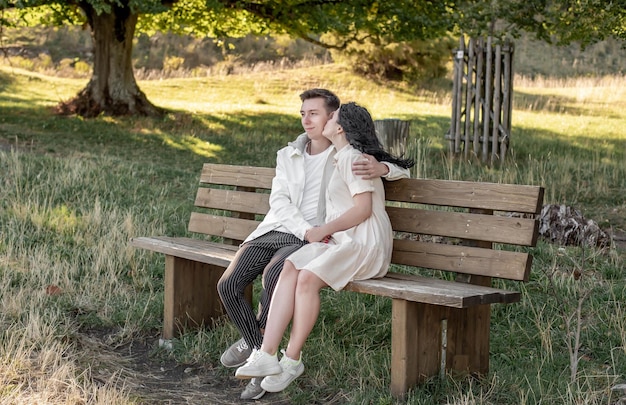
<point>314,116</point>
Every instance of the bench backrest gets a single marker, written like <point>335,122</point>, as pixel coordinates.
<point>439,224</point>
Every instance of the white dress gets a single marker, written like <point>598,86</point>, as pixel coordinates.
<point>361,252</point>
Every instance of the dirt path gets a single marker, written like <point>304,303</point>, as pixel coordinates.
<point>159,380</point>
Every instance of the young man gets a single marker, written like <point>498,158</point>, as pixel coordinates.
<point>297,198</point>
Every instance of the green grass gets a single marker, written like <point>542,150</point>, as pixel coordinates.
<point>73,191</point>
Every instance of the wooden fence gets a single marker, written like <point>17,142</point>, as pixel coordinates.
<point>482,100</point>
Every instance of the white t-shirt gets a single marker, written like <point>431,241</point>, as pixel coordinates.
<point>313,173</point>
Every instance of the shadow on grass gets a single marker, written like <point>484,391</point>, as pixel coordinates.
<point>184,141</point>
<point>180,141</point>
<point>5,81</point>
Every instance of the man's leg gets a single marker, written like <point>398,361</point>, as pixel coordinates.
<point>270,278</point>
<point>250,261</point>
<point>245,267</point>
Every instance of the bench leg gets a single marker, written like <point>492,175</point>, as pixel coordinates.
<point>420,339</point>
<point>468,340</point>
<point>191,297</point>
<point>415,343</point>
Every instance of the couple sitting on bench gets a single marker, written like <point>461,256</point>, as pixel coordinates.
<point>327,226</point>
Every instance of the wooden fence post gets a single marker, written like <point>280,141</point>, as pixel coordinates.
<point>482,90</point>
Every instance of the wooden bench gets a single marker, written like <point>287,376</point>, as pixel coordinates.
<point>473,230</point>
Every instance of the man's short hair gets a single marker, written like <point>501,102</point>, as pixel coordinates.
<point>331,100</point>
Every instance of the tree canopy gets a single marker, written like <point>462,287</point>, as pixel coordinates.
<point>334,24</point>
<point>558,22</point>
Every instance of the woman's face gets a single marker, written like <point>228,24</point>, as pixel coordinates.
<point>332,127</point>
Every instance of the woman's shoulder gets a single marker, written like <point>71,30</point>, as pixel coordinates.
<point>348,152</point>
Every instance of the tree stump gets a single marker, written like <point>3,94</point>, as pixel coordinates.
<point>393,134</point>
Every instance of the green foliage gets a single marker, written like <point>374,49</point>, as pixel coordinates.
<point>560,22</point>
<point>370,21</point>
<point>351,20</point>
<point>408,60</point>
<point>201,18</point>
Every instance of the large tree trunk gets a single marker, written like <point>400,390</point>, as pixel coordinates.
<point>112,89</point>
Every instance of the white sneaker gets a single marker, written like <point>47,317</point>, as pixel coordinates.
<point>292,369</point>
<point>259,364</point>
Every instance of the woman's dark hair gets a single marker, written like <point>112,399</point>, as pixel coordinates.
<point>358,125</point>
<point>331,101</point>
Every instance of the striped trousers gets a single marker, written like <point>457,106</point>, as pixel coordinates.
<point>264,255</point>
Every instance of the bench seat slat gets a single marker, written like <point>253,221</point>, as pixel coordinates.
<point>244,176</point>
<point>232,200</point>
<point>433,291</point>
<point>467,194</point>
<point>499,229</point>
<point>198,250</point>
<point>462,259</point>
<point>217,225</point>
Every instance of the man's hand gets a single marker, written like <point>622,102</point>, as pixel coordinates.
<point>369,168</point>
<point>316,234</point>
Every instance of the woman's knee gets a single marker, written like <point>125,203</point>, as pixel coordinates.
<point>308,282</point>
<point>289,270</point>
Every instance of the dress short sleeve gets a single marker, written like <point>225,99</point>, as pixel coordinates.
<point>343,161</point>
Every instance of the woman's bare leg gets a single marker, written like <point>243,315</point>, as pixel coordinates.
<point>306,311</point>
<point>281,308</point>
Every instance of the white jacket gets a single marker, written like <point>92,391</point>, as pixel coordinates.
<point>288,189</point>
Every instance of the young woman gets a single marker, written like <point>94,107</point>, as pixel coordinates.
<point>355,243</point>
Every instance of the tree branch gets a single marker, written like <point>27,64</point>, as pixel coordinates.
<point>277,13</point>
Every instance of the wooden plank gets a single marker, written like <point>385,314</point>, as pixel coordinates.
<point>478,111</point>
<point>218,225</point>
<point>503,197</point>
<point>469,93</point>
<point>495,134</point>
<point>458,99</point>
<point>246,176</point>
<point>498,229</point>
<point>463,259</point>
<point>432,291</point>
<point>487,100</point>
<point>507,94</point>
<point>457,68</point>
<point>192,249</point>
<point>232,200</point>
<point>467,194</point>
